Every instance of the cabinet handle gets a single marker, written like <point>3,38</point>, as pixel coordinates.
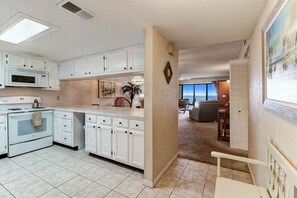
<point>24,65</point>
<point>130,133</point>
<point>103,120</point>
<point>120,122</point>
<point>89,72</point>
<point>126,131</point>
<point>125,68</point>
<point>239,111</point>
<point>94,126</point>
<point>65,138</point>
<point>98,127</point>
<point>64,125</point>
<point>86,73</point>
<point>31,66</point>
<point>0,85</point>
<point>136,125</point>
<point>64,115</point>
<point>130,67</point>
<point>50,86</point>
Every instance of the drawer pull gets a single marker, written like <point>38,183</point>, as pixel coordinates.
<point>64,125</point>
<point>94,126</point>
<point>120,122</point>
<point>89,118</point>
<point>136,125</point>
<point>65,115</point>
<point>130,133</point>
<point>126,131</point>
<point>65,138</point>
<point>103,121</point>
<point>98,127</point>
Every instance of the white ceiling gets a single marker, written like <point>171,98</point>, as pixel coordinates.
<point>120,23</point>
<point>209,61</point>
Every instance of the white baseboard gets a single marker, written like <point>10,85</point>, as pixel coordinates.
<point>151,184</point>
<point>251,173</point>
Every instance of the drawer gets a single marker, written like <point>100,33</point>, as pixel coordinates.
<point>58,114</point>
<point>122,123</point>
<point>102,120</point>
<point>66,125</point>
<point>91,118</point>
<point>67,115</point>
<point>2,119</point>
<point>67,138</point>
<point>135,124</point>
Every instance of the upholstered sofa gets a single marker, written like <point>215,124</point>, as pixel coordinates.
<point>206,111</point>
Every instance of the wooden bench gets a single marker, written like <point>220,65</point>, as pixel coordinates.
<point>281,177</point>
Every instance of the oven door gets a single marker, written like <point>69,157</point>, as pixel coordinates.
<point>21,128</point>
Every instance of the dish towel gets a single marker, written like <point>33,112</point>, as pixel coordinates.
<point>36,119</point>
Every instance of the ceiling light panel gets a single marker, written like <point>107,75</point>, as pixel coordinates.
<point>22,27</point>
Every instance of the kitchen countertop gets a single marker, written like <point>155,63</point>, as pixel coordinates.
<point>107,111</point>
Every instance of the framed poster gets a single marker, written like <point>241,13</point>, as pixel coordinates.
<point>279,39</point>
<point>106,89</point>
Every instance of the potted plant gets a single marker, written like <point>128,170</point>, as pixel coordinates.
<point>132,89</point>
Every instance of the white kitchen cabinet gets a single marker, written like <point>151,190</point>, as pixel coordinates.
<point>53,78</point>
<point>15,60</point>
<point>136,148</point>
<point>68,128</point>
<point>91,138</point>
<point>104,140</point>
<point>116,61</point>
<point>95,65</point>
<point>121,145</point>
<point>2,86</point>
<point>80,67</point>
<point>3,135</point>
<point>136,58</point>
<point>239,104</point>
<point>66,70</point>
<point>35,63</point>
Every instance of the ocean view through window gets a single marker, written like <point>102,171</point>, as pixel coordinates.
<point>199,92</point>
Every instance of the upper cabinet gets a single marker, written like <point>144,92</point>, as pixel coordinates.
<point>53,78</point>
<point>136,58</point>
<point>126,60</point>
<point>116,61</point>
<point>12,60</point>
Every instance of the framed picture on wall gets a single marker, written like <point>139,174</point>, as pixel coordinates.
<point>279,39</point>
<point>106,89</point>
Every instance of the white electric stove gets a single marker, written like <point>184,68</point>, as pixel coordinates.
<point>22,136</point>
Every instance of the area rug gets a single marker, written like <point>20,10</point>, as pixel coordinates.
<point>197,140</point>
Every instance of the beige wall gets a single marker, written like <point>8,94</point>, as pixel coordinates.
<point>161,111</point>
<point>79,92</point>
<point>264,123</point>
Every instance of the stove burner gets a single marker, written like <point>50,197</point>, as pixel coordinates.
<point>14,109</point>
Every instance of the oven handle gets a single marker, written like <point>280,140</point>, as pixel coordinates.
<point>29,113</point>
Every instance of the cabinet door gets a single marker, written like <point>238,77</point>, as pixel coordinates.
<point>14,60</point>
<point>95,65</point>
<point>136,58</point>
<point>81,67</point>
<point>53,79</point>
<point>1,72</point>
<point>137,148</point>
<point>3,138</point>
<point>91,138</point>
<point>35,64</point>
<point>105,141</point>
<point>66,70</point>
<point>57,129</point>
<point>121,145</point>
<point>116,61</point>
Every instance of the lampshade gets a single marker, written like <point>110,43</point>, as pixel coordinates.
<point>137,80</point>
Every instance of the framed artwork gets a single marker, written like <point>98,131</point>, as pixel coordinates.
<point>168,72</point>
<point>279,38</point>
<point>106,89</point>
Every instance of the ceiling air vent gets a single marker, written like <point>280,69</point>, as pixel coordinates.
<point>75,9</point>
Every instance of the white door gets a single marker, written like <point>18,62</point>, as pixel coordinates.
<point>116,61</point>
<point>1,72</point>
<point>53,79</point>
<point>14,60</point>
<point>136,58</point>
<point>81,67</point>
<point>121,145</point>
<point>91,138</point>
<point>57,129</point>
<point>105,141</point>
<point>35,64</point>
<point>66,69</point>
<point>137,148</point>
<point>95,65</point>
<point>3,138</point>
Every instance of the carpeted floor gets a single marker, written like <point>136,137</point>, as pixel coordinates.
<point>197,139</point>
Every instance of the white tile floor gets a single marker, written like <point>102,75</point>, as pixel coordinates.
<point>61,172</point>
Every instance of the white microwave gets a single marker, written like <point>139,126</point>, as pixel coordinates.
<point>19,77</point>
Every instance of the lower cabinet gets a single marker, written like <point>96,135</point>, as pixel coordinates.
<point>3,135</point>
<point>116,139</point>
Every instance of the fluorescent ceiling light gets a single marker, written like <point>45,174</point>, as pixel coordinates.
<point>22,30</point>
